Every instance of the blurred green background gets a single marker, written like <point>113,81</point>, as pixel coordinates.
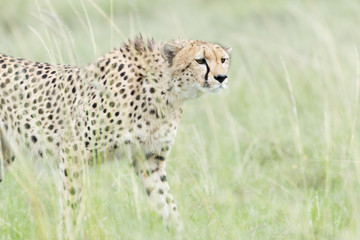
<point>276,156</point>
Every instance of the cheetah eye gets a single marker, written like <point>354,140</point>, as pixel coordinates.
<point>223,60</point>
<point>201,61</point>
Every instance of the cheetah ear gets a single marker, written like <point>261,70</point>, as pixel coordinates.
<point>228,49</point>
<point>169,51</point>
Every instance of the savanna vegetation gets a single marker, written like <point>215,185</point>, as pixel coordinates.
<point>276,156</point>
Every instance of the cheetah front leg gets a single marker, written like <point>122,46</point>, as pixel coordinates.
<point>151,171</point>
<point>6,156</point>
<point>71,170</point>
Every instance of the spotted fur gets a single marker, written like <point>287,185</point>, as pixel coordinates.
<point>131,98</point>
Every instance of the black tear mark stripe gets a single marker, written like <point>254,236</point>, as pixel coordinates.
<point>207,71</point>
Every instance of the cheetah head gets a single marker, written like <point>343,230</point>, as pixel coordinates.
<point>197,67</point>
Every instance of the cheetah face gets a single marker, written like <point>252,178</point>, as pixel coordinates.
<point>197,67</point>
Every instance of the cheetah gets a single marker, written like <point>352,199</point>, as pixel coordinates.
<point>130,98</point>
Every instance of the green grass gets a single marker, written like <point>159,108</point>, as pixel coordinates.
<point>274,157</point>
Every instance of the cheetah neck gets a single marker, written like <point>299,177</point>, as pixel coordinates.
<point>159,76</point>
<point>167,97</point>
<point>145,72</point>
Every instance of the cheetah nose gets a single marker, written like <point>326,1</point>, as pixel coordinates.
<point>220,78</point>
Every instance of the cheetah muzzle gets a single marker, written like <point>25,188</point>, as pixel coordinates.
<point>128,100</point>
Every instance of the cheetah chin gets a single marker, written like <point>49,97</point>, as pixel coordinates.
<point>127,101</point>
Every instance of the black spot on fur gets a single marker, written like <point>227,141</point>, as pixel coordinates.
<point>34,139</point>
<point>148,191</point>
<point>161,158</point>
<point>121,66</point>
<point>149,155</point>
<point>163,178</point>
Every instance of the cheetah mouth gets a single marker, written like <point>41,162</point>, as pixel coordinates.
<point>218,88</point>
<point>214,89</point>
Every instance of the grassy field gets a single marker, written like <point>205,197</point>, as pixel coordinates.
<point>276,156</point>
